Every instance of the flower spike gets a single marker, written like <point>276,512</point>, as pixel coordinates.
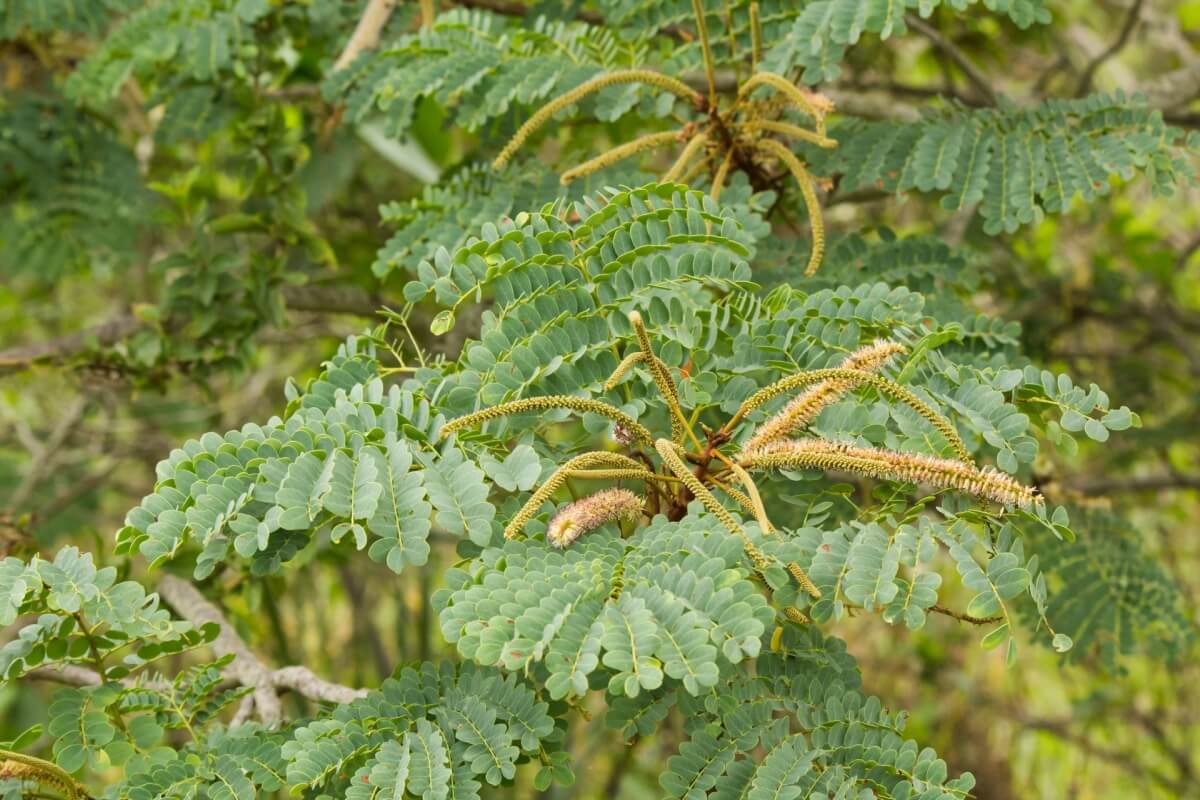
<point>577,518</point>
<point>985,483</point>
<point>554,483</point>
<point>546,112</point>
<point>799,413</point>
<point>580,404</point>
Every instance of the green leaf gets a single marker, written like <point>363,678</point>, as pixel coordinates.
<point>519,470</point>
<point>459,494</point>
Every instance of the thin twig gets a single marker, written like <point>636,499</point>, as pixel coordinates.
<point>958,615</point>
<point>42,460</point>
<point>952,51</point>
<point>1089,72</point>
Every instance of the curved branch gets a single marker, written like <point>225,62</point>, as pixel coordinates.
<point>973,73</point>
<point>1089,72</point>
<point>246,667</point>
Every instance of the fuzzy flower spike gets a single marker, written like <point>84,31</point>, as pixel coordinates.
<point>799,413</point>
<point>984,483</point>
<point>577,518</point>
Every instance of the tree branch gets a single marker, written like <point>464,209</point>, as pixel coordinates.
<point>307,683</point>
<point>976,78</point>
<point>1174,88</point>
<point>1089,72</point>
<point>366,33</point>
<point>332,300</point>
<point>1143,483</point>
<point>958,615</point>
<point>246,667</point>
<point>63,347</point>
<point>42,459</point>
<point>315,299</point>
<point>67,674</point>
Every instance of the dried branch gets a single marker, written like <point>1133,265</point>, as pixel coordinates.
<point>247,669</point>
<point>1137,483</point>
<point>304,681</point>
<point>67,674</point>
<point>42,459</point>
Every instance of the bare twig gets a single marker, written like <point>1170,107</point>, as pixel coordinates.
<point>43,458</point>
<point>1142,483</point>
<point>1089,72</point>
<point>952,51</point>
<point>958,615</point>
<point>366,33</point>
<point>64,347</point>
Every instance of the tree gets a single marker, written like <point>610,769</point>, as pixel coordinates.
<point>637,428</point>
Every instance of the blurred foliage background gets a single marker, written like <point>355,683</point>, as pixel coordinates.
<point>181,231</point>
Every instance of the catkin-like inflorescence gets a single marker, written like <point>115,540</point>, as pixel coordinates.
<point>857,377</point>
<point>670,456</point>
<point>18,766</point>
<point>546,112</point>
<point>813,105</point>
<point>544,492</point>
<point>662,377</point>
<point>586,514</point>
<point>809,191</point>
<point>620,152</point>
<point>802,578</point>
<point>801,410</point>
<point>694,146</point>
<point>985,483</point>
<point>627,363</point>
<point>718,181</point>
<point>796,615</point>
<point>580,404</point>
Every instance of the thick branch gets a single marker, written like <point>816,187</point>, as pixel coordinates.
<point>67,674</point>
<point>304,681</point>
<point>246,668</point>
<point>299,679</point>
<point>1174,88</point>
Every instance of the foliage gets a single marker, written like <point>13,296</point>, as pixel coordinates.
<point>636,437</point>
